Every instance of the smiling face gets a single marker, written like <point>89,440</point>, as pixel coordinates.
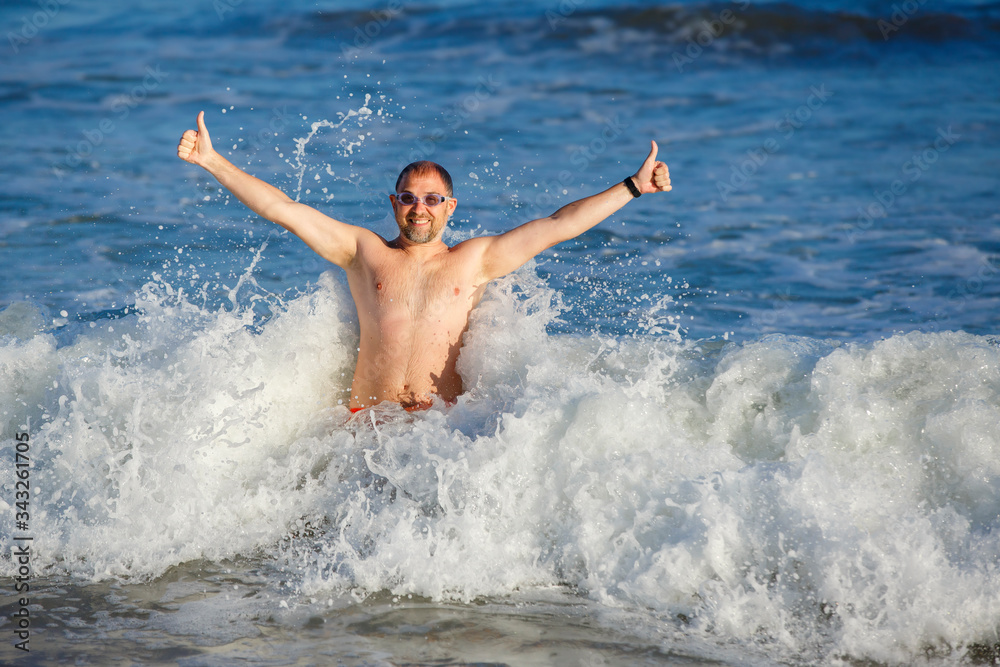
<point>419,223</point>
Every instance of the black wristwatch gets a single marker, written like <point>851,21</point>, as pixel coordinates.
<point>631,187</point>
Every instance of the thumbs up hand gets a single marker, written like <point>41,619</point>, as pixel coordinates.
<point>195,145</point>
<point>653,176</point>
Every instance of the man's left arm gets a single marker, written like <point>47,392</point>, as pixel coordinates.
<point>509,251</point>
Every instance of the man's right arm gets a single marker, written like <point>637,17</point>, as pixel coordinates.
<point>331,239</point>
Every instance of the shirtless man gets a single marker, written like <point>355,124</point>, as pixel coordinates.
<point>414,293</point>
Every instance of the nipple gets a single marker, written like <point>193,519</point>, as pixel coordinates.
<point>378,285</point>
<point>457,291</point>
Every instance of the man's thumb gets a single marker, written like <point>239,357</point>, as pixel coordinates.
<point>202,130</point>
<point>651,158</point>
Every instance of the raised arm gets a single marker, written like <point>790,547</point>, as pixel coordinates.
<point>506,252</point>
<point>331,239</point>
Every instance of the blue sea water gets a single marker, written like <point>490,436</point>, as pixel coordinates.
<point>751,421</point>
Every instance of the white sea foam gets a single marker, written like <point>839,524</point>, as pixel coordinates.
<point>823,498</point>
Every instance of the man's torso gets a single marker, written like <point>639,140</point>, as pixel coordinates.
<point>413,311</point>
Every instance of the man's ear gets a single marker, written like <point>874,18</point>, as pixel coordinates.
<point>452,205</point>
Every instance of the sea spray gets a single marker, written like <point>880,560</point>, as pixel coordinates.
<point>345,144</point>
<point>809,496</point>
<point>171,434</point>
<point>738,491</point>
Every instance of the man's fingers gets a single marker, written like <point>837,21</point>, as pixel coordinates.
<point>661,177</point>
<point>195,144</point>
<point>185,147</point>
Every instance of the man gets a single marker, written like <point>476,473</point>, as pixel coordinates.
<point>414,293</point>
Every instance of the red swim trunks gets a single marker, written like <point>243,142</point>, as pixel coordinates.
<point>409,408</point>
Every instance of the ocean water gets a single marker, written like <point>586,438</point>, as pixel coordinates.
<point>752,421</point>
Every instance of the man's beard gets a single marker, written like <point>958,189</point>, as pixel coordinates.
<point>419,235</point>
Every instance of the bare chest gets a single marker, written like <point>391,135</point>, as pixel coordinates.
<point>416,290</point>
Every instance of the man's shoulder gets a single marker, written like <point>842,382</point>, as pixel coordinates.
<point>370,242</point>
<point>475,244</point>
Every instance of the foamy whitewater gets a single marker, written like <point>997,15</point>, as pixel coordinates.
<point>755,421</point>
<point>828,499</point>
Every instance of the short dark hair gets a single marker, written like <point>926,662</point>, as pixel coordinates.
<point>421,168</point>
